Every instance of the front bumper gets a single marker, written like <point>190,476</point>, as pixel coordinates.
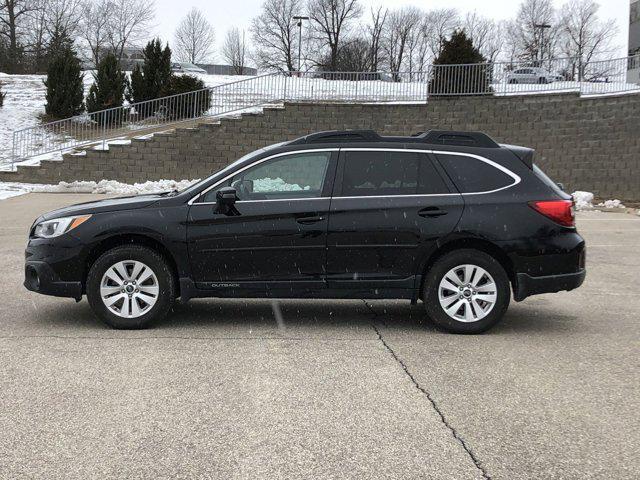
<point>39,277</point>
<point>526,285</point>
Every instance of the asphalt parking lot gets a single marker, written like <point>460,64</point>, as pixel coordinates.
<point>339,389</point>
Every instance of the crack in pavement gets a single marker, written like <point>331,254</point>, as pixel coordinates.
<point>433,403</point>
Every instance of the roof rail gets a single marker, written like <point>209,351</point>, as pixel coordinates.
<point>333,136</point>
<point>436,137</point>
<point>451,137</point>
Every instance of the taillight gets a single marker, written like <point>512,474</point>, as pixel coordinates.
<point>560,211</point>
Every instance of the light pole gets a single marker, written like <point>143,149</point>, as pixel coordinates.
<point>542,27</point>
<point>299,19</point>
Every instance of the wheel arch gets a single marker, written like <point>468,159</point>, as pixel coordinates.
<point>473,243</point>
<point>119,240</point>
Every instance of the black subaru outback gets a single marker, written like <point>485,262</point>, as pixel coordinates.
<point>450,218</point>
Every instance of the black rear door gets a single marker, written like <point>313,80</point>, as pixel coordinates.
<point>389,208</point>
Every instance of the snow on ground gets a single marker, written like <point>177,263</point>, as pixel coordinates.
<point>23,103</point>
<point>8,190</point>
<point>611,204</point>
<point>584,201</point>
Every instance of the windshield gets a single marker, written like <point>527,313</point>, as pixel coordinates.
<point>231,166</point>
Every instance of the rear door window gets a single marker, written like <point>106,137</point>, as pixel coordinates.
<point>380,173</point>
<point>472,175</point>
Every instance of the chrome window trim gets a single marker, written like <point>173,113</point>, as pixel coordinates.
<point>257,162</point>
<point>516,178</point>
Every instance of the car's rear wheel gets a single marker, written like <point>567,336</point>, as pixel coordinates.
<point>130,287</point>
<point>466,291</point>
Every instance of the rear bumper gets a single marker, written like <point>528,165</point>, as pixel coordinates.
<point>527,285</point>
<point>39,277</point>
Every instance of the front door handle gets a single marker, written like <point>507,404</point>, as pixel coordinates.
<point>432,212</point>
<point>309,220</point>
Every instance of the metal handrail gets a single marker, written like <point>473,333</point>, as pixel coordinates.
<point>497,78</point>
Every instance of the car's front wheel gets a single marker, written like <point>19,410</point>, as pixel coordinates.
<point>130,287</point>
<point>466,291</point>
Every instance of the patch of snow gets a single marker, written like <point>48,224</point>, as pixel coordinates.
<point>583,200</point>
<point>23,104</point>
<point>111,187</point>
<point>611,204</point>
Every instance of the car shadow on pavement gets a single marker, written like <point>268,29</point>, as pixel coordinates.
<point>334,315</point>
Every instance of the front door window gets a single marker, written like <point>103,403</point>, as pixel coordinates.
<point>299,175</point>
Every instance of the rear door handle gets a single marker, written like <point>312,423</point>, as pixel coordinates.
<point>432,212</point>
<point>309,220</point>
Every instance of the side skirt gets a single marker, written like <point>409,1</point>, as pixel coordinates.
<point>310,290</point>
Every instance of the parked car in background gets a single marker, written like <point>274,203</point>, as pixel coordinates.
<point>184,67</point>
<point>530,75</point>
<point>354,76</point>
<point>450,218</point>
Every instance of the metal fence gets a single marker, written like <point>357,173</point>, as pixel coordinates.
<point>499,79</point>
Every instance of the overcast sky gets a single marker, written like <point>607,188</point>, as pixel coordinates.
<point>224,14</point>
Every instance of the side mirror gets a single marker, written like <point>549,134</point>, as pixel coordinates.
<point>226,196</point>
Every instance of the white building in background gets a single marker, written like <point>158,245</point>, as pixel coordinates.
<point>633,72</point>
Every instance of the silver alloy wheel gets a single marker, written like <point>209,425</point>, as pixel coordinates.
<point>129,289</point>
<point>467,293</point>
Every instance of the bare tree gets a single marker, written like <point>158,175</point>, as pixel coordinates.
<point>529,41</point>
<point>275,35</point>
<point>37,35</point>
<point>63,16</point>
<point>194,38</point>
<point>332,21</point>
<point>234,50</point>
<point>373,34</point>
<point>13,16</point>
<point>94,27</point>
<point>485,33</point>
<point>129,23</point>
<point>401,28</point>
<point>438,26</point>
<point>584,36</point>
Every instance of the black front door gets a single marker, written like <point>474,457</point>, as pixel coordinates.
<point>388,211</point>
<point>279,233</point>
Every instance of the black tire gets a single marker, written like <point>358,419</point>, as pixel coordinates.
<point>439,269</point>
<point>159,266</point>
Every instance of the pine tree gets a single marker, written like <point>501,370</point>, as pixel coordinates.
<point>190,106</point>
<point>152,80</point>
<point>107,91</point>
<point>135,88</point>
<point>65,90</point>
<point>459,50</point>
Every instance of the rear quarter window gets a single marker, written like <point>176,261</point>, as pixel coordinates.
<point>472,175</point>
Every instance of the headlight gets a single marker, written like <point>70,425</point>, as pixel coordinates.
<point>57,226</point>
